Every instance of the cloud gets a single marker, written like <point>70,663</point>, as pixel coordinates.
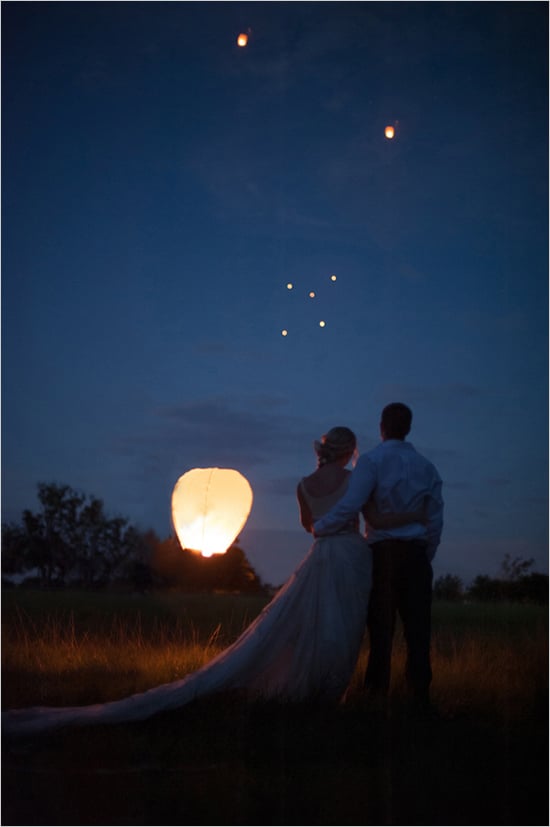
<point>241,183</point>
<point>288,215</point>
<point>283,486</point>
<point>516,321</point>
<point>301,45</point>
<point>499,482</point>
<point>210,347</point>
<point>258,435</point>
<point>218,431</point>
<point>440,395</point>
<point>537,501</point>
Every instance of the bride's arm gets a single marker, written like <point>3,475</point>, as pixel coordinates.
<point>306,518</point>
<point>377,520</point>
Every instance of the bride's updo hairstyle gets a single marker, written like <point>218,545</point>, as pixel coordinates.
<point>335,444</point>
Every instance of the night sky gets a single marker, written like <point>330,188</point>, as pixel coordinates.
<point>161,186</point>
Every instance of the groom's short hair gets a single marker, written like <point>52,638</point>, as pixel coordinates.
<point>396,420</point>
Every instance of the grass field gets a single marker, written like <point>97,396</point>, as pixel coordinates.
<point>482,760</point>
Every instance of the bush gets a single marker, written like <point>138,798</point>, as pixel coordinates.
<point>529,588</point>
<point>448,587</point>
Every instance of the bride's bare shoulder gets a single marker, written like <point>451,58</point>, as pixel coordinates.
<point>325,480</point>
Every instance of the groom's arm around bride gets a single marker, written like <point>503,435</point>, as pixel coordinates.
<point>396,478</point>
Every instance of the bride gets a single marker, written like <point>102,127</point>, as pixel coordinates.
<point>305,642</point>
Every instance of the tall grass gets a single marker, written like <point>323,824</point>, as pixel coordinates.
<point>483,760</point>
<point>71,648</point>
<point>61,648</point>
<point>51,664</point>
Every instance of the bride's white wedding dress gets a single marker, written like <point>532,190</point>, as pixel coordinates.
<point>303,644</point>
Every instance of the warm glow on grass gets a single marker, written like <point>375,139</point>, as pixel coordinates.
<point>88,648</point>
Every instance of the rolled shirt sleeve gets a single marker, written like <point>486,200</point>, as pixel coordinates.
<point>435,518</point>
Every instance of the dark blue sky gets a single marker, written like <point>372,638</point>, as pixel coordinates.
<point>160,188</point>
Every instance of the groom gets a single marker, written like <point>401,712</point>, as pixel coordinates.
<point>399,479</point>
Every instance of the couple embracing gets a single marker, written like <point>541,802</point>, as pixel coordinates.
<point>398,491</point>
<point>305,643</point>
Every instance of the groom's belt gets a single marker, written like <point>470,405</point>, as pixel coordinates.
<point>417,542</point>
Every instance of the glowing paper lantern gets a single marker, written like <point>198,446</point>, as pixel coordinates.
<point>333,278</point>
<point>289,286</point>
<point>312,295</point>
<point>321,324</point>
<point>242,39</point>
<point>284,332</point>
<point>389,132</point>
<point>209,508</point>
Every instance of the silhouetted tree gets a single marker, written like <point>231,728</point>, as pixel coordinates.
<point>70,539</point>
<point>52,532</point>
<point>512,568</point>
<point>232,571</point>
<point>14,549</point>
<point>484,588</point>
<point>190,571</point>
<point>514,584</point>
<point>530,588</point>
<point>448,587</point>
<point>136,573</point>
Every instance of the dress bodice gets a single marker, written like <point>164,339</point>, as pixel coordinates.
<point>320,505</point>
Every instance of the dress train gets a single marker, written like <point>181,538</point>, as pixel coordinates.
<point>303,644</point>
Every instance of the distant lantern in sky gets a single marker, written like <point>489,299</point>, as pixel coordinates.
<point>321,324</point>
<point>242,39</point>
<point>389,132</point>
<point>209,508</point>
<point>333,278</point>
<point>289,286</point>
<point>311,294</point>
<point>284,332</point>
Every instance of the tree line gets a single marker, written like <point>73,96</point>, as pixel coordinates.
<point>515,582</point>
<point>71,541</point>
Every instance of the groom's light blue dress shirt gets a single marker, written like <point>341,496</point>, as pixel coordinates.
<point>400,479</point>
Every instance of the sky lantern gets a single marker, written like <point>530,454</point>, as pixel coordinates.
<point>242,39</point>
<point>389,132</point>
<point>209,508</point>
<point>333,278</point>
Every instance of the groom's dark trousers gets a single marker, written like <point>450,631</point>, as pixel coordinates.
<point>401,583</point>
